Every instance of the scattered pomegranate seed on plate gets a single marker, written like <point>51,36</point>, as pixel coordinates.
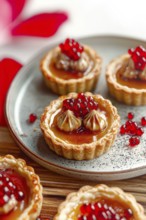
<point>130,115</point>
<point>32,118</point>
<point>133,141</point>
<point>143,121</point>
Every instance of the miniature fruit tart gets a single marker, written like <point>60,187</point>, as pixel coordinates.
<point>126,77</point>
<point>71,67</point>
<point>20,190</point>
<point>80,126</point>
<point>100,203</point>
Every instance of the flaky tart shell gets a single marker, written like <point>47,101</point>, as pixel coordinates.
<point>35,201</point>
<point>129,96</point>
<point>83,84</point>
<point>85,151</point>
<point>87,193</point>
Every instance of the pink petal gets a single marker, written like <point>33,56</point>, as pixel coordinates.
<point>8,70</point>
<point>16,7</point>
<point>40,25</point>
<point>5,14</point>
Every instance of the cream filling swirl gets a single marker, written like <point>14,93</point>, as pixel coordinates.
<point>129,72</point>
<point>63,62</point>
<point>95,120</point>
<point>67,121</point>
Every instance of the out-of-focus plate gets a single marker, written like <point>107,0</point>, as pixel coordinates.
<point>28,94</point>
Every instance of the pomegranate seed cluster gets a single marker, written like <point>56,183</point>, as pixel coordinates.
<point>8,188</point>
<point>138,56</point>
<point>72,49</point>
<point>81,105</point>
<point>133,129</point>
<point>99,211</point>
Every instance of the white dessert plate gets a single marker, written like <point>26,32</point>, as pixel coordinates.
<point>28,94</point>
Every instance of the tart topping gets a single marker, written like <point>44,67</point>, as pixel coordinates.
<point>72,49</point>
<point>11,190</point>
<point>9,204</point>
<point>67,121</point>
<point>138,55</point>
<point>71,57</point>
<point>134,67</point>
<point>63,62</point>
<point>81,112</point>
<point>103,210</point>
<point>81,105</point>
<point>95,120</point>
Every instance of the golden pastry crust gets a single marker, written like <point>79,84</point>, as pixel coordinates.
<point>89,192</point>
<point>85,151</point>
<point>35,202</point>
<point>129,96</point>
<point>83,84</point>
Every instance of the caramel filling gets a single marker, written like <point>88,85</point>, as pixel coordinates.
<point>101,208</point>
<point>69,74</point>
<point>126,75</point>
<point>81,135</point>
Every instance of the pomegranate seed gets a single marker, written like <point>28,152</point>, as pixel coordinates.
<point>72,49</point>
<point>133,141</point>
<point>130,115</point>
<point>138,56</point>
<point>32,118</point>
<point>143,121</point>
<point>128,124</point>
<point>128,213</point>
<point>20,196</point>
<point>83,209</point>
<point>2,201</point>
<point>139,132</point>
<point>123,129</point>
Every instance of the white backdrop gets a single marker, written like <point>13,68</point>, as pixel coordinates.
<point>86,17</point>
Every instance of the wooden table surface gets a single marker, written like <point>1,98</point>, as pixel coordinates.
<point>56,187</point>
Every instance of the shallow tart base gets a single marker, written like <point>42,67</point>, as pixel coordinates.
<point>68,210</point>
<point>122,93</point>
<point>82,151</point>
<point>63,86</point>
<point>33,189</point>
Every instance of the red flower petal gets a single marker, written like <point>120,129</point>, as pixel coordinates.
<point>41,25</point>
<point>16,6</point>
<point>8,70</point>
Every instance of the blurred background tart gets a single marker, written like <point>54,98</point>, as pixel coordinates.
<point>80,126</point>
<point>100,203</point>
<point>71,67</point>
<point>126,77</point>
<point>20,190</point>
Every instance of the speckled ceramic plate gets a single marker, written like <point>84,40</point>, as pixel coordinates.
<point>28,94</point>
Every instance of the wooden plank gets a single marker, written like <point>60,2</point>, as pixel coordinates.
<point>56,187</point>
